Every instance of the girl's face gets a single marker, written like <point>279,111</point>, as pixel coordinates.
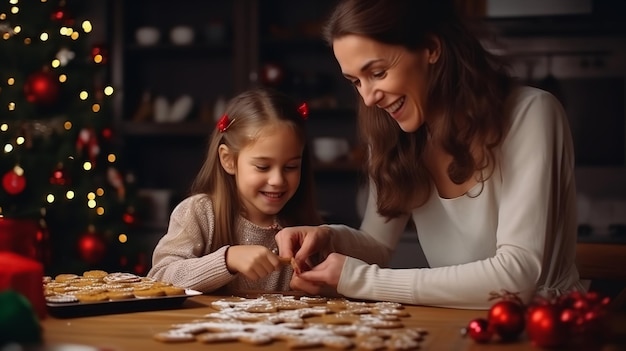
<point>268,172</point>
<point>387,76</point>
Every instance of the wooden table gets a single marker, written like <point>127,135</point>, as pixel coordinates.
<point>135,331</point>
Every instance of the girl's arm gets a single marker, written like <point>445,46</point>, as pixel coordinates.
<point>182,256</point>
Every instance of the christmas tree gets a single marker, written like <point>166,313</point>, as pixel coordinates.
<point>58,162</point>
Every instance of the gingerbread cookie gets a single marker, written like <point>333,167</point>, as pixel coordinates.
<point>291,261</point>
<point>99,285</point>
<point>258,321</point>
<point>95,274</point>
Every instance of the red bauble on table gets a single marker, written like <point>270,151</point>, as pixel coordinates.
<point>91,248</point>
<point>13,183</point>
<point>506,319</point>
<point>581,318</point>
<point>574,318</point>
<point>478,329</point>
<point>545,327</point>
<point>42,88</point>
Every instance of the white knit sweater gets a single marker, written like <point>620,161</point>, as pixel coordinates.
<point>183,257</point>
<point>519,234</point>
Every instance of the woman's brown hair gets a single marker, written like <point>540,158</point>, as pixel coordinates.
<point>250,113</point>
<point>468,87</point>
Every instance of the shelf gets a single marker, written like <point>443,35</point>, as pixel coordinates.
<point>308,45</point>
<point>332,113</point>
<point>180,129</point>
<point>169,50</point>
<point>206,70</point>
<point>340,166</point>
<point>559,26</point>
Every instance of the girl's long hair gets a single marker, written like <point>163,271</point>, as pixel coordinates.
<point>251,112</point>
<point>467,88</point>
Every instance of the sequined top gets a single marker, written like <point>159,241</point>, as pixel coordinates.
<point>183,255</point>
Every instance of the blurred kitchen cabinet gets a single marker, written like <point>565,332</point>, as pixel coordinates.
<point>173,61</point>
<point>290,45</point>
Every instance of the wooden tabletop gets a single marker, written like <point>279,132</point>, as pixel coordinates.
<point>136,330</point>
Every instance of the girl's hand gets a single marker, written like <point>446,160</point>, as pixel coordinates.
<point>253,261</point>
<point>327,273</point>
<point>302,242</point>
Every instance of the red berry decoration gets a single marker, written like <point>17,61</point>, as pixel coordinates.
<point>478,329</point>
<point>507,317</point>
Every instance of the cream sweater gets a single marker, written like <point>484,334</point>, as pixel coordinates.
<point>183,257</point>
<point>519,234</point>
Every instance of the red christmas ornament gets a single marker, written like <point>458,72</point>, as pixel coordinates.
<point>107,133</point>
<point>59,177</point>
<point>62,15</point>
<point>574,318</point>
<point>584,314</point>
<point>58,14</point>
<point>478,329</point>
<point>129,218</point>
<point>506,319</point>
<point>544,326</point>
<point>91,248</point>
<point>13,183</point>
<point>42,88</point>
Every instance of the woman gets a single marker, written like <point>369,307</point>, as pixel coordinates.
<point>484,167</point>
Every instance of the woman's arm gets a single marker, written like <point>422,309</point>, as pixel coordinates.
<point>536,209</point>
<point>376,239</point>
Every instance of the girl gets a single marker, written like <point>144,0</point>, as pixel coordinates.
<point>256,179</point>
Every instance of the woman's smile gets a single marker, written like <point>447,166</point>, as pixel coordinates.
<point>395,107</point>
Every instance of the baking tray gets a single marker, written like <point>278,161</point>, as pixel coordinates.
<point>83,309</point>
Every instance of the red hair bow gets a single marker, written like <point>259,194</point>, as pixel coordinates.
<point>303,109</point>
<point>223,123</point>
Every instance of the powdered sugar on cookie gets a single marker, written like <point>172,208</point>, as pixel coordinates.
<point>301,323</point>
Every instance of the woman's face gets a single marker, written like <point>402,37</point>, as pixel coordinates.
<point>387,76</point>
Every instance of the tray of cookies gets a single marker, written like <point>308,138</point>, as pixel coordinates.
<point>97,292</point>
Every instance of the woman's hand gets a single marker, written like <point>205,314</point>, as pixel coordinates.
<point>302,242</point>
<point>253,261</point>
<point>327,273</point>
